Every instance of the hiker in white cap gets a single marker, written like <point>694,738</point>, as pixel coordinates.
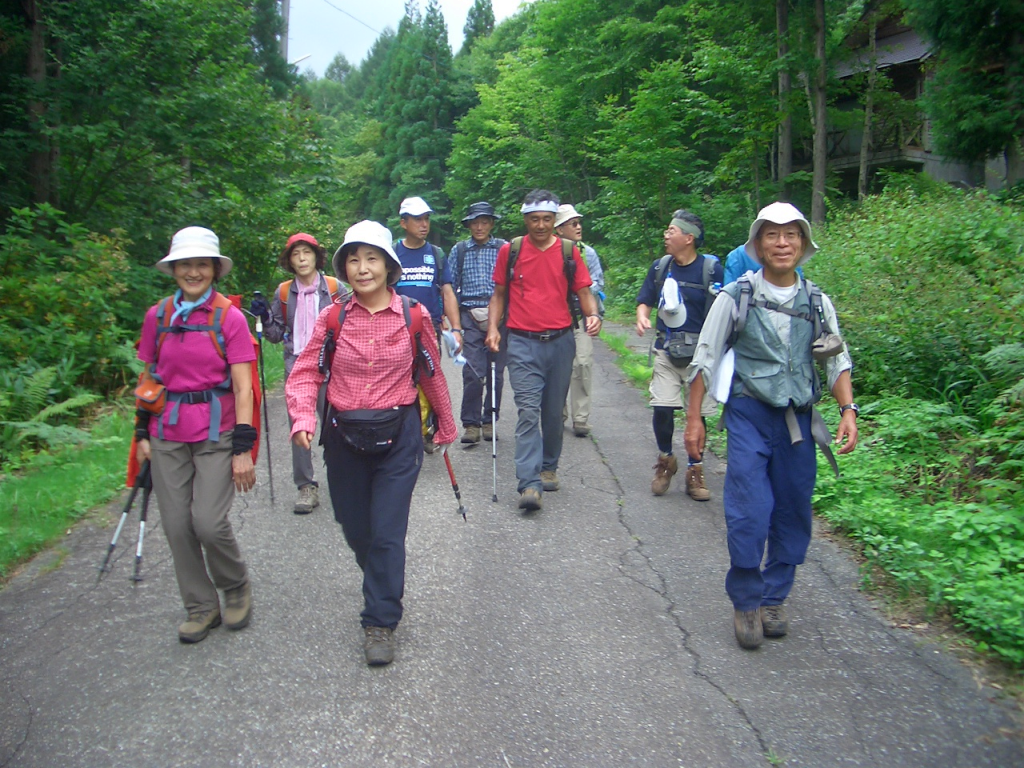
<point>200,445</point>
<point>376,346</point>
<point>682,286</point>
<point>569,224</point>
<point>757,352</point>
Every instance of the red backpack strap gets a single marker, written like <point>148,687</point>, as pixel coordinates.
<point>282,294</point>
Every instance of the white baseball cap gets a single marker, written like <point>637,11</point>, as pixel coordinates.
<point>671,308</point>
<point>368,233</point>
<point>194,243</point>
<point>414,206</point>
<point>780,213</point>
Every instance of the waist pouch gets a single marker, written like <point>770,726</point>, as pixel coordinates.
<point>680,348</point>
<point>370,431</point>
<point>479,315</point>
<point>150,395</point>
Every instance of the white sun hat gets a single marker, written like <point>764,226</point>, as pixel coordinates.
<point>780,213</point>
<point>368,233</point>
<point>566,212</point>
<point>414,206</point>
<point>194,243</point>
<point>671,308</point>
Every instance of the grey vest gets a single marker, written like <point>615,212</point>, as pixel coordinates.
<point>768,370</point>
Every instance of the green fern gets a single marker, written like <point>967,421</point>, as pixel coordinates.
<point>32,398</point>
<point>48,434</point>
<point>61,409</point>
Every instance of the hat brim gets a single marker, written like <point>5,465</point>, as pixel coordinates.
<point>672,319</point>
<point>492,216</point>
<point>338,262</point>
<point>165,264</point>
<point>810,247</point>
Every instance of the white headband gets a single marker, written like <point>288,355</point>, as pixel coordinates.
<point>544,206</point>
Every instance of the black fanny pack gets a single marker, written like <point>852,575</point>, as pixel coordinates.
<point>369,431</point>
<point>680,347</point>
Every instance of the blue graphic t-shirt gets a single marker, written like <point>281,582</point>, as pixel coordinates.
<point>420,278</point>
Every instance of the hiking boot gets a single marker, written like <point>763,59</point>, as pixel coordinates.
<point>308,500</point>
<point>488,432</point>
<point>773,620</point>
<point>379,646</point>
<point>580,429</point>
<point>664,471</point>
<point>549,480</point>
<point>749,633</point>
<point>471,435</point>
<point>529,500</point>
<point>238,606</point>
<point>198,626</point>
<point>695,483</point>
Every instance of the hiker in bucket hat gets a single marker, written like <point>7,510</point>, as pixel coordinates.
<point>472,266</point>
<point>371,432</point>
<point>289,320</point>
<point>569,224</point>
<point>199,446</point>
<point>757,353</point>
<point>681,285</point>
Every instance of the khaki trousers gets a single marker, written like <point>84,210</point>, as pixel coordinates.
<point>195,490</point>
<point>582,371</point>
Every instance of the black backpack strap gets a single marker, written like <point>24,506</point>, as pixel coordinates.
<point>460,263</point>
<point>706,274</point>
<point>660,272</point>
<point>569,267</point>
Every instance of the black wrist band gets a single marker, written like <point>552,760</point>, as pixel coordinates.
<point>142,418</point>
<point>243,439</point>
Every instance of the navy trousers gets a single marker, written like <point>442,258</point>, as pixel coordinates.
<point>371,497</point>
<point>767,498</point>
<point>476,374</point>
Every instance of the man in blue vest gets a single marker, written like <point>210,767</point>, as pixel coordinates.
<point>756,353</point>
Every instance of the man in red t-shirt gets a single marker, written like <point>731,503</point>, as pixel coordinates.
<point>541,346</point>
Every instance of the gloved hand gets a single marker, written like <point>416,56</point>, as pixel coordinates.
<point>259,308</point>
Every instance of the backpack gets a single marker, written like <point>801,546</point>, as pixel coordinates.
<point>662,269</point>
<point>568,267</point>
<point>743,302</point>
<point>283,291</point>
<point>220,304</point>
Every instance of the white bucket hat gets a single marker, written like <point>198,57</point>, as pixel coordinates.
<point>194,243</point>
<point>566,213</point>
<point>368,233</point>
<point>780,213</point>
<point>414,206</point>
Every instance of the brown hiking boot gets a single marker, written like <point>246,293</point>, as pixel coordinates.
<point>308,500</point>
<point>695,483</point>
<point>238,606</point>
<point>773,620</point>
<point>664,471</point>
<point>488,432</point>
<point>379,646</point>
<point>198,626</point>
<point>529,500</point>
<point>471,435</point>
<point>549,480</point>
<point>749,633</point>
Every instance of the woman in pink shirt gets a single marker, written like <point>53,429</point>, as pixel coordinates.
<point>199,447</point>
<point>372,440</point>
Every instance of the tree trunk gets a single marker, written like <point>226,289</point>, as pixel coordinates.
<point>869,105</point>
<point>40,168</point>
<point>820,120</point>
<point>785,148</point>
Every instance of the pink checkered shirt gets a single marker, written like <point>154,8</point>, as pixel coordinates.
<point>372,368</point>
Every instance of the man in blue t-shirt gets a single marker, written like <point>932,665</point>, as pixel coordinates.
<point>681,300</point>
<point>425,273</point>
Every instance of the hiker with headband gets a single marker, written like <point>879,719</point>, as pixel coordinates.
<point>198,346</point>
<point>535,279</point>
<point>289,320</point>
<point>375,348</point>
<point>757,354</point>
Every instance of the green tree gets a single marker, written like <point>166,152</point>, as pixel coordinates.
<point>479,23</point>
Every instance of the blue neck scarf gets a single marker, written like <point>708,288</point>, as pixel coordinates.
<point>184,308</point>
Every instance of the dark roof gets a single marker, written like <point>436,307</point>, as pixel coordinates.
<point>897,49</point>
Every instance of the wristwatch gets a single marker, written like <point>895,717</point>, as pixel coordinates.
<point>851,407</point>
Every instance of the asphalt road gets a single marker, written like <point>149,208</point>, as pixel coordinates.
<point>594,633</point>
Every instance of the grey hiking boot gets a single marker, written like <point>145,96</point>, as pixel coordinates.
<point>307,501</point>
<point>198,625</point>
<point>749,633</point>
<point>580,429</point>
<point>529,500</point>
<point>664,471</point>
<point>471,435</point>
<point>549,480</point>
<point>773,620</point>
<point>695,483</point>
<point>238,606</point>
<point>379,646</point>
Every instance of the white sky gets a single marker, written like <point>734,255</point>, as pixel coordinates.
<point>320,29</point>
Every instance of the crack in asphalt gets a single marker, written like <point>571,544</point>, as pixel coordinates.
<point>27,731</point>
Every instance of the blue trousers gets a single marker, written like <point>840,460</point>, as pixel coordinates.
<point>371,497</point>
<point>539,372</point>
<point>767,498</point>
<point>477,372</point>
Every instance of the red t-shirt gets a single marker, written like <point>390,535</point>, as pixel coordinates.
<point>537,297</point>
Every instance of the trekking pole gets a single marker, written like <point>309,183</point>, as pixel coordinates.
<point>494,436</point>
<point>455,485</point>
<point>140,479</point>
<point>147,489</point>
<point>263,384</point>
